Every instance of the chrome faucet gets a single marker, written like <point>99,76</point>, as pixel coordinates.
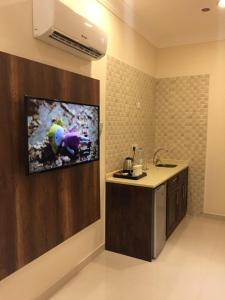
<point>155,159</point>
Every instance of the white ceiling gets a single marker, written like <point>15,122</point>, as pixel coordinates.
<point>168,23</point>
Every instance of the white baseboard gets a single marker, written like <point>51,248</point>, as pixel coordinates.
<point>65,279</point>
<point>213,216</point>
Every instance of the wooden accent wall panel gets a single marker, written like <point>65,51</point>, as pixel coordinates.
<point>40,211</point>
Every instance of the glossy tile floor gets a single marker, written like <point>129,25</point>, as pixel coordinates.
<point>190,267</point>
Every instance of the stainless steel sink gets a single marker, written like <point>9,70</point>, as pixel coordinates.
<point>166,165</point>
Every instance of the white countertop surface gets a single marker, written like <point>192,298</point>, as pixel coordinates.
<point>155,175</point>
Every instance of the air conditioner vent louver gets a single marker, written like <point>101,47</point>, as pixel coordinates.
<point>74,44</point>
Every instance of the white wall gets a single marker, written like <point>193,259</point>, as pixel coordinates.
<point>207,58</point>
<point>16,38</point>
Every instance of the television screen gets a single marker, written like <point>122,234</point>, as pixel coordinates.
<point>60,134</point>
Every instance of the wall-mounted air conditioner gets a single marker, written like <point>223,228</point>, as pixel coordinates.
<point>58,25</point>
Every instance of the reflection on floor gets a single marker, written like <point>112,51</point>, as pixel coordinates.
<point>191,267</point>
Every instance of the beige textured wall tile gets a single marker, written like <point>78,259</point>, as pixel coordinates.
<point>126,124</point>
<point>181,109</point>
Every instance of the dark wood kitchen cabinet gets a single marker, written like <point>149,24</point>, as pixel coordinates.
<point>176,203</point>
<point>130,215</point>
<point>129,220</point>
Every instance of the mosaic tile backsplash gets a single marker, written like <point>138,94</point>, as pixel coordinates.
<point>181,111</point>
<point>154,113</point>
<point>129,112</point>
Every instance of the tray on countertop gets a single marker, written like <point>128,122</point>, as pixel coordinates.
<point>121,174</point>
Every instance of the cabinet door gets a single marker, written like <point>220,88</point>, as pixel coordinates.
<point>184,187</point>
<point>171,219</point>
<point>171,205</point>
<point>176,200</point>
<point>182,191</point>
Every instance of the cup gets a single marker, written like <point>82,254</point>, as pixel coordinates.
<point>139,156</point>
<point>145,165</point>
<point>137,170</point>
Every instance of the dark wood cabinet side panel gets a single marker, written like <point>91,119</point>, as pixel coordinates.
<point>40,211</point>
<point>129,214</point>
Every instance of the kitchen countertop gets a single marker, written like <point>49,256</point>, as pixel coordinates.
<point>155,175</point>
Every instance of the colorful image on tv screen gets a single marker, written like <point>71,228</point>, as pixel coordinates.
<point>61,134</point>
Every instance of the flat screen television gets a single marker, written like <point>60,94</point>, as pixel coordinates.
<point>60,134</point>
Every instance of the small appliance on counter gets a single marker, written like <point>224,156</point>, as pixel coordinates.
<point>128,165</point>
<point>130,171</point>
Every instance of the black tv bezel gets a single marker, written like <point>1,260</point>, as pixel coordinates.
<point>26,99</point>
